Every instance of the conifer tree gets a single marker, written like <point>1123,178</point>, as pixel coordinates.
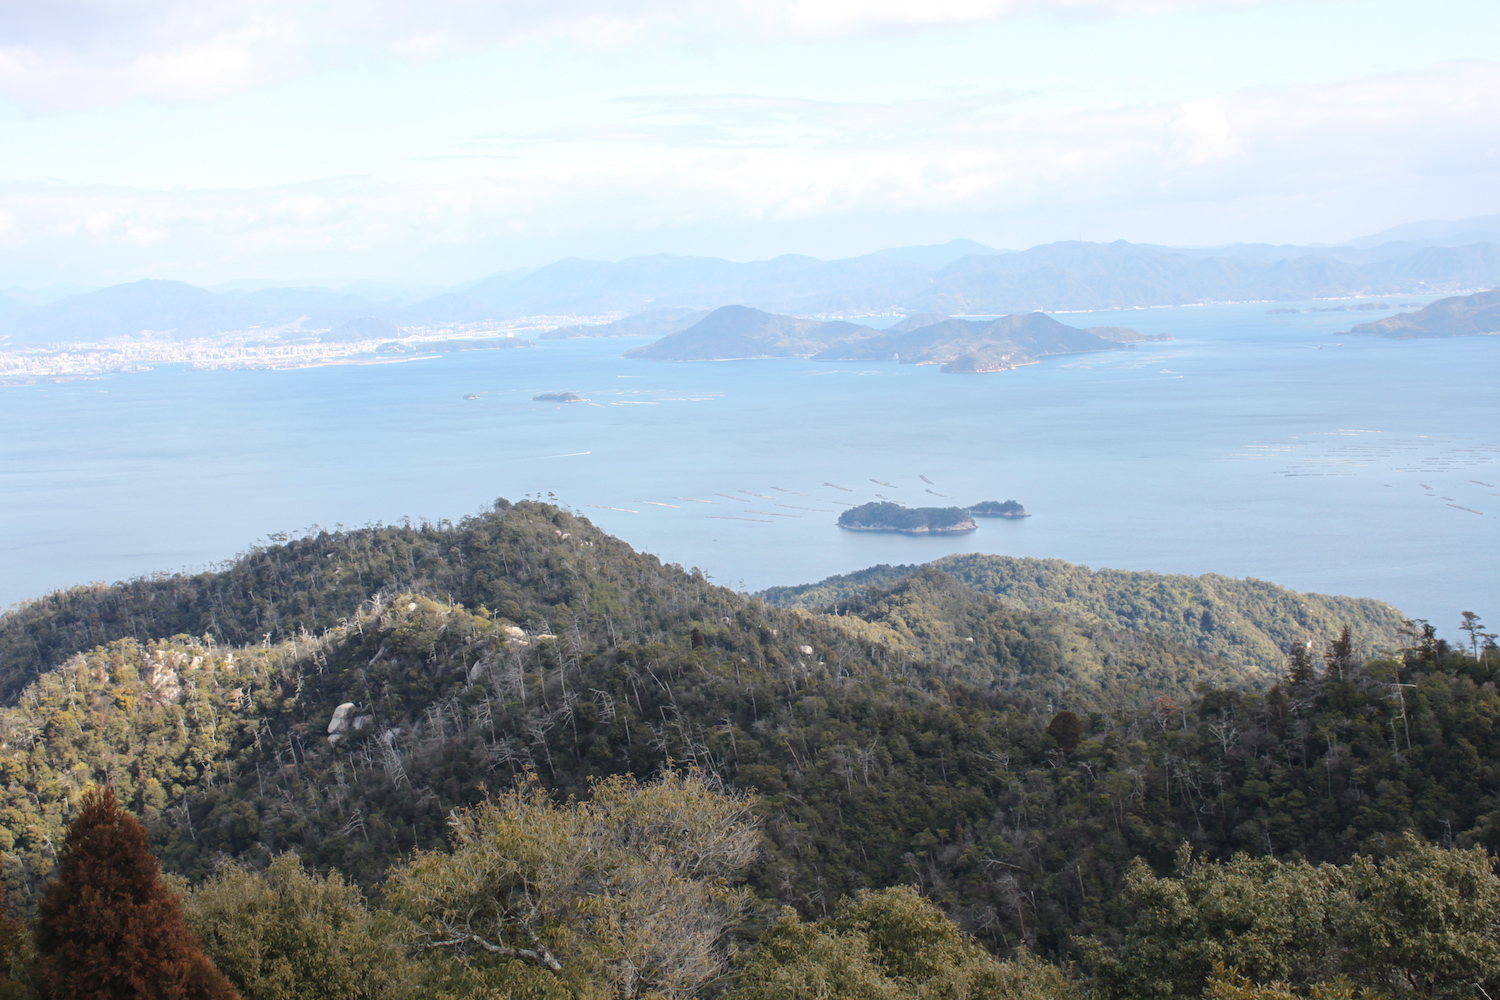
<point>1340,655</point>
<point>1301,669</point>
<point>107,928</point>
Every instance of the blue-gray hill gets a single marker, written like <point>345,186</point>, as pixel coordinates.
<point>1460,316</point>
<point>1024,338</point>
<point>649,323</point>
<point>171,308</point>
<point>1056,276</point>
<point>732,332</point>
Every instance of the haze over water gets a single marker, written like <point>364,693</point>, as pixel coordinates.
<point>1250,446</point>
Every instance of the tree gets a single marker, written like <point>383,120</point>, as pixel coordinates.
<point>1480,641</point>
<point>107,928</point>
<point>887,944</point>
<point>1340,654</point>
<point>794,960</point>
<point>1422,922</point>
<point>628,889</point>
<point>1300,670</point>
<point>16,954</point>
<point>1258,916</point>
<point>1067,729</point>
<point>290,935</point>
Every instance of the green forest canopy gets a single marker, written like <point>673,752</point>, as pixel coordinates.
<point>888,516</point>
<point>905,734</point>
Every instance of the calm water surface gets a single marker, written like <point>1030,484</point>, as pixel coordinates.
<point>1251,445</point>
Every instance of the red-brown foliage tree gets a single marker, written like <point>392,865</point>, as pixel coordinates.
<point>107,929</point>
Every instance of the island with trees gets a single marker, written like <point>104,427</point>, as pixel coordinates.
<point>997,508</point>
<point>957,345</point>
<point>887,516</point>
<point>558,397</point>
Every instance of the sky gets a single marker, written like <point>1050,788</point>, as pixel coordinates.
<point>438,142</point>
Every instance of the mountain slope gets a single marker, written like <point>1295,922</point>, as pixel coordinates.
<point>1026,336</point>
<point>742,332</point>
<point>920,733</point>
<point>555,627</point>
<point>734,332</point>
<point>1460,316</point>
<point>1434,232</point>
<point>650,323</point>
<point>10,307</point>
<point>170,308</point>
<point>1249,622</point>
<point>787,283</point>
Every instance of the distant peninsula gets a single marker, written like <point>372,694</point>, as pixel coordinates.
<point>957,345</point>
<point>997,508</point>
<point>889,516</point>
<point>1459,316</point>
<point>558,397</point>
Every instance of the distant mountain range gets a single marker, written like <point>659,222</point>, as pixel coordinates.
<point>1460,316</point>
<point>960,278</point>
<point>181,311</point>
<point>962,346</point>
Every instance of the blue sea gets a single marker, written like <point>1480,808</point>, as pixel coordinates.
<point>1252,444</point>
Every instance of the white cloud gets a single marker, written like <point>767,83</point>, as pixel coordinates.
<point>1282,164</point>
<point>841,18</point>
<point>85,53</point>
<point>82,53</point>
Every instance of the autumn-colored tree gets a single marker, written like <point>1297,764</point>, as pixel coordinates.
<point>1067,729</point>
<point>624,894</point>
<point>107,928</point>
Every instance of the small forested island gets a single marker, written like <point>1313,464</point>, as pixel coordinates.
<point>959,346</point>
<point>558,397</point>
<point>889,516</point>
<point>996,508</point>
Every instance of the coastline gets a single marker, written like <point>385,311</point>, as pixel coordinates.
<point>957,529</point>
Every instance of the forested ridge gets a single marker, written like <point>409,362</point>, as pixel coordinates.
<point>1249,622</point>
<point>1013,765</point>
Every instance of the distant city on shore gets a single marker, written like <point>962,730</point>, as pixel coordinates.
<point>822,308</point>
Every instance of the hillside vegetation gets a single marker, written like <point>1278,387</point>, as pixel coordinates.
<point>340,696</point>
<point>1250,623</point>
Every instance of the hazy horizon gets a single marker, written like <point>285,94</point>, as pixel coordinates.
<point>243,283</point>
<point>219,142</point>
